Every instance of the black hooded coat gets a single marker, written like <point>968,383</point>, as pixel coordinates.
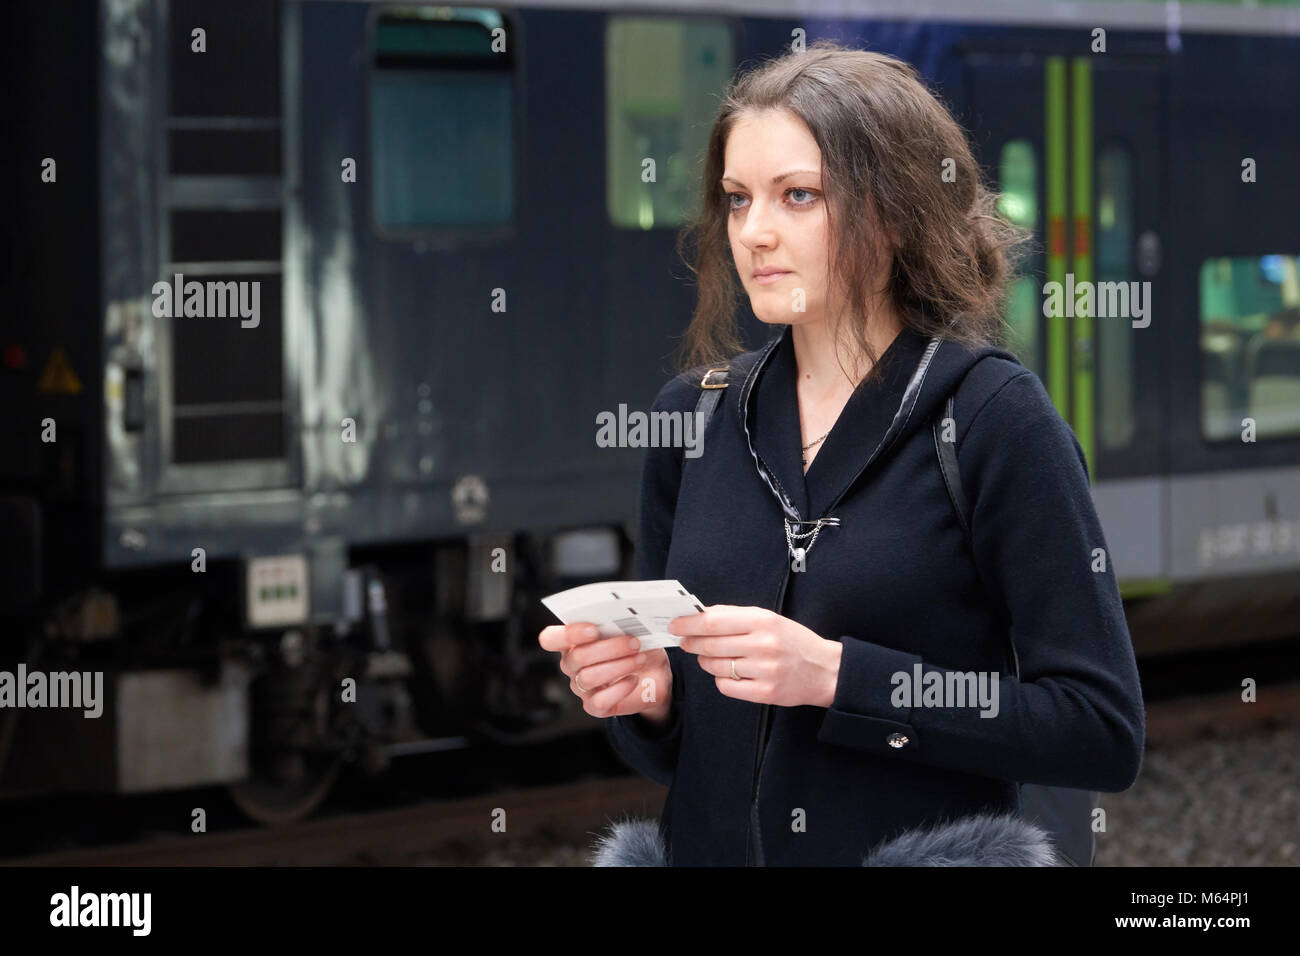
<point>897,585</point>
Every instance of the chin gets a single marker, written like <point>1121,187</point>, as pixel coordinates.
<point>782,318</point>
<point>766,313</point>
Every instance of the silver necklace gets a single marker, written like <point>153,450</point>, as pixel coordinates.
<point>804,458</point>
<point>791,537</point>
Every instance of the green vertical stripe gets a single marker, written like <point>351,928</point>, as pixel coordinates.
<point>1056,224</point>
<point>1081,235</point>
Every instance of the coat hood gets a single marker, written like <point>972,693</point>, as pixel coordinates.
<point>918,374</point>
<point>979,840</point>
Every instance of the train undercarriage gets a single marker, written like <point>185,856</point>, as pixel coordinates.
<point>433,648</point>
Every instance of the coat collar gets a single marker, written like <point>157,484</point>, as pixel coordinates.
<point>767,404</point>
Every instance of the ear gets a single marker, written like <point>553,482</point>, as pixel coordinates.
<point>891,234</point>
<point>886,246</point>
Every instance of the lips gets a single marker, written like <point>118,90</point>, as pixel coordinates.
<point>768,277</point>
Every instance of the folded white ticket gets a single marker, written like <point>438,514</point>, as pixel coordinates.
<point>640,609</point>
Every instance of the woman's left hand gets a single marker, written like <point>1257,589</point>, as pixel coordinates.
<point>778,660</point>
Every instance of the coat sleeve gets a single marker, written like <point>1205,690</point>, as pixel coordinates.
<point>648,748</point>
<point>1075,716</point>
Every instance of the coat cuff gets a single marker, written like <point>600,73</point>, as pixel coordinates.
<point>649,731</point>
<point>648,748</point>
<point>861,715</point>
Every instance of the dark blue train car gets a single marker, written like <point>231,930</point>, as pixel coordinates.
<point>314,306</point>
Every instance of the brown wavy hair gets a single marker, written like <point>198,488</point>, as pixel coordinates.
<point>884,138</point>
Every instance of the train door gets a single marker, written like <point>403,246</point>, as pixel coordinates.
<point>1075,147</point>
<point>223,419</point>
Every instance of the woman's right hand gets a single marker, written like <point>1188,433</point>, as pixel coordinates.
<point>609,674</point>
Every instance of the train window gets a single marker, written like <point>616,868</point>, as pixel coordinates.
<point>1115,257</point>
<point>1018,202</point>
<point>1250,346</point>
<point>663,80</point>
<point>441,119</point>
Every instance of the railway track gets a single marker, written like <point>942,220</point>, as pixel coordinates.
<point>574,811</point>
<point>386,836</point>
<point>1183,718</point>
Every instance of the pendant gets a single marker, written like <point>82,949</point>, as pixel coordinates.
<point>798,554</point>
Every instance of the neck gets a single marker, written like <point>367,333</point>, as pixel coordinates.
<point>825,369</point>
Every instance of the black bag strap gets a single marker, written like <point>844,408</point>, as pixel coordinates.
<point>711,388</point>
<point>713,384</point>
<point>1064,811</point>
<point>946,451</point>
<point>948,466</point>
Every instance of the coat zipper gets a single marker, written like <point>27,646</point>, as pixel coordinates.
<point>760,752</point>
<point>754,852</point>
<point>765,718</point>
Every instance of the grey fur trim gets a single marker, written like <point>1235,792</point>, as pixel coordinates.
<point>630,843</point>
<point>981,840</point>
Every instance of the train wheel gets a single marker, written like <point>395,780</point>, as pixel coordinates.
<point>281,800</point>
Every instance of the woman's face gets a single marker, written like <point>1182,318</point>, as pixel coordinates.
<point>779,225</point>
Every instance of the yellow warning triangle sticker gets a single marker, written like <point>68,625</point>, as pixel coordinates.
<point>58,376</point>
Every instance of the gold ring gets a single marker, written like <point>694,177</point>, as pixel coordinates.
<point>579,683</point>
<point>734,675</point>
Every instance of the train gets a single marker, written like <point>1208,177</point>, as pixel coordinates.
<point>314,306</point>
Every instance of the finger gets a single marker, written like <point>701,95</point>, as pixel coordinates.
<point>715,665</point>
<point>553,638</point>
<point>605,700</point>
<point>583,632</point>
<point>730,645</point>
<point>747,668</point>
<point>719,619</point>
<point>572,661</point>
<point>559,637</point>
<point>721,667</point>
<point>595,676</point>
<point>754,691</point>
<point>605,649</point>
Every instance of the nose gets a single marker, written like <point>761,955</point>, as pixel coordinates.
<point>758,231</point>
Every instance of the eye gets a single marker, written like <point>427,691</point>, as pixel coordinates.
<point>798,204</point>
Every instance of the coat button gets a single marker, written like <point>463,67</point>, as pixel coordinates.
<point>896,740</point>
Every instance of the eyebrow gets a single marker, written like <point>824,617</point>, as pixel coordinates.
<point>775,179</point>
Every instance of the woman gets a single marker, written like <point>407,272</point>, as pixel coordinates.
<point>811,715</point>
